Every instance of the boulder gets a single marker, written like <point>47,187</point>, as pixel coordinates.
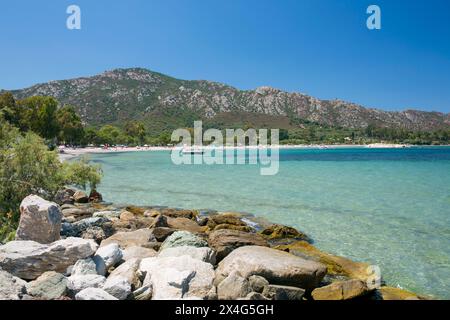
<point>275,292</point>
<point>275,266</point>
<point>110,254</point>
<point>258,283</point>
<point>204,253</point>
<point>141,238</point>
<point>233,227</point>
<point>174,278</point>
<point>94,233</point>
<point>161,233</point>
<point>341,290</point>
<point>277,231</point>
<point>185,224</point>
<point>225,241</point>
<point>49,286</point>
<point>11,287</point>
<point>95,196</point>
<point>64,196</point>
<point>129,271</point>
<point>89,266</point>
<point>136,252</point>
<point>182,239</point>
<point>80,197</point>
<point>233,287</point>
<point>390,293</point>
<point>77,228</point>
<point>29,259</point>
<point>78,283</point>
<point>225,218</point>
<point>160,222</point>
<point>118,287</point>
<point>40,220</point>
<point>179,213</point>
<point>94,294</point>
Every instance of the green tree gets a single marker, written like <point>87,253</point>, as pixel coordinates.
<point>71,127</point>
<point>109,135</point>
<point>39,115</point>
<point>136,129</point>
<point>9,108</point>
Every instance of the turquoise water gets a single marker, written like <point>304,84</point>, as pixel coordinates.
<point>386,207</point>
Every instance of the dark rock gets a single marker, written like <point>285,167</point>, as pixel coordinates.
<point>275,292</point>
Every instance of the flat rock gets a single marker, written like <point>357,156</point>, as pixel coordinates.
<point>94,294</point>
<point>225,241</point>
<point>49,286</point>
<point>204,254</point>
<point>182,239</point>
<point>140,238</point>
<point>136,252</point>
<point>11,287</point>
<point>275,266</point>
<point>29,259</point>
<point>40,220</point>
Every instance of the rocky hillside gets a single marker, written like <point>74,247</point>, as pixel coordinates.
<point>124,94</point>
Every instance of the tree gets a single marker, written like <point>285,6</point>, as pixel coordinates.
<point>70,125</point>
<point>39,115</point>
<point>9,108</point>
<point>136,129</point>
<point>109,135</point>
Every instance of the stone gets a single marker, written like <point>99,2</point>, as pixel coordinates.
<point>11,287</point>
<point>275,292</point>
<point>258,283</point>
<point>390,293</point>
<point>275,266</point>
<point>95,196</point>
<point>224,218</point>
<point>64,196</point>
<point>183,238</point>
<point>137,252</point>
<point>77,228</point>
<point>129,270</point>
<point>118,287</point>
<point>185,224</point>
<point>179,213</point>
<point>94,294</point>
<point>80,197</point>
<point>160,222</point>
<point>89,266</point>
<point>204,253</point>
<point>107,214</point>
<point>49,286</point>
<point>233,227</point>
<point>78,212</point>
<point>94,233</point>
<point>174,278</point>
<point>341,290</point>
<point>203,221</point>
<point>161,233</point>
<point>277,231</point>
<point>78,283</point>
<point>28,259</point>
<point>143,293</point>
<point>40,220</point>
<point>225,241</point>
<point>110,254</point>
<point>141,238</point>
<point>233,287</point>
<point>127,216</point>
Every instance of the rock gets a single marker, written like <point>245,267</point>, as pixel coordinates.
<point>141,238</point>
<point>161,233</point>
<point>341,290</point>
<point>257,283</point>
<point>95,196</point>
<point>118,287</point>
<point>136,252</point>
<point>185,224</point>
<point>78,283</point>
<point>160,222</point>
<point>133,224</point>
<point>94,233</point>
<point>225,241</point>
<point>390,293</point>
<point>78,212</point>
<point>336,266</point>
<point>29,259</point>
<point>129,270</point>
<point>182,239</point>
<point>64,196</point>
<point>135,210</point>
<point>178,213</point>
<point>275,266</point>
<point>277,231</point>
<point>143,293</point>
<point>233,227</point>
<point>107,214</point>
<point>94,294</point>
<point>89,266</point>
<point>11,287</point>
<point>174,278</point>
<point>233,287</point>
<point>40,220</point>
<point>224,218</point>
<point>204,253</point>
<point>77,228</point>
<point>275,292</point>
<point>255,296</point>
<point>111,255</point>
<point>80,197</point>
<point>203,221</point>
<point>49,286</point>
<point>127,216</point>
<point>152,213</point>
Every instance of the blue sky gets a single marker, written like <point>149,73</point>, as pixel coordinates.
<point>318,47</point>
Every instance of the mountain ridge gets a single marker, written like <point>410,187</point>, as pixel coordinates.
<point>136,93</point>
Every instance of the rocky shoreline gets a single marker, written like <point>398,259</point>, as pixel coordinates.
<point>78,248</point>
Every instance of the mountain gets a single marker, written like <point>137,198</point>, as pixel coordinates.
<point>123,94</point>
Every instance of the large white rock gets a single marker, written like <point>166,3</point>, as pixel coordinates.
<point>11,288</point>
<point>111,255</point>
<point>40,220</point>
<point>78,283</point>
<point>204,253</point>
<point>174,278</point>
<point>278,267</point>
<point>89,266</point>
<point>128,270</point>
<point>29,259</point>
<point>118,287</point>
<point>94,294</point>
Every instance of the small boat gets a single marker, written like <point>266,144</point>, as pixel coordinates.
<point>193,150</point>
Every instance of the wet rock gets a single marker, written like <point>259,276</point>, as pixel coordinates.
<point>234,286</point>
<point>11,287</point>
<point>49,286</point>
<point>204,253</point>
<point>182,239</point>
<point>140,238</point>
<point>40,220</point>
<point>277,231</point>
<point>390,293</point>
<point>94,294</point>
<point>275,266</point>
<point>29,259</point>
<point>275,292</point>
<point>225,241</point>
<point>80,197</point>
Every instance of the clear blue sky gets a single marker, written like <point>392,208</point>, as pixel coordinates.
<point>318,47</point>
